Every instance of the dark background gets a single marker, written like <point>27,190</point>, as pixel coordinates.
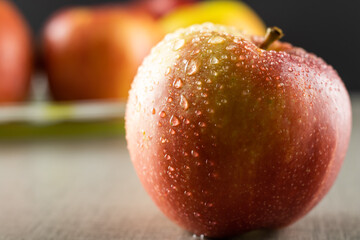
<point>329,28</point>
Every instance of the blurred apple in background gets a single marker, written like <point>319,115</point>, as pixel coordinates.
<point>94,53</point>
<point>15,54</point>
<point>159,8</point>
<point>230,13</point>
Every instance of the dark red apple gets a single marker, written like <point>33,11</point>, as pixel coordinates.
<point>15,54</point>
<point>93,53</point>
<point>227,137</point>
<point>159,8</point>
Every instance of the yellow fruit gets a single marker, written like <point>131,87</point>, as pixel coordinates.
<point>230,13</point>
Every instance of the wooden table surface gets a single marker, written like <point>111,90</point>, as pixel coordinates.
<point>87,189</point>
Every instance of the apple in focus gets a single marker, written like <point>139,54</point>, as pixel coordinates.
<point>94,53</point>
<point>15,54</point>
<point>229,13</point>
<point>228,134</point>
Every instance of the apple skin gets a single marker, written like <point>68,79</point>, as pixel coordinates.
<point>16,56</point>
<point>227,138</point>
<point>229,13</point>
<point>159,8</point>
<point>94,53</point>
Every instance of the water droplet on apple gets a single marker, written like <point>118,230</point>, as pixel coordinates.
<point>138,107</point>
<point>216,40</point>
<point>179,44</point>
<point>237,40</point>
<point>214,60</point>
<point>174,121</point>
<point>212,222</point>
<point>172,131</point>
<point>184,102</point>
<point>195,39</point>
<point>214,175</point>
<point>195,52</point>
<point>290,69</point>
<point>162,114</point>
<point>188,193</point>
<point>178,83</point>
<point>170,99</point>
<point>196,214</point>
<point>198,112</point>
<point>192,67</point>
<point>202,124</point>
<point>230,47</point>
<point>194,153</point>
<point>204,95</point>
<point>168,70</point>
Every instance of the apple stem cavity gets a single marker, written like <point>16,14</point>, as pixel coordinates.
<point>272,34</point>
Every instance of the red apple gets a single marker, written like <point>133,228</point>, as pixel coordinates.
<point>15,54</point>
<point>227,137</point>
<point>93,53</point>
<point>159,8</point>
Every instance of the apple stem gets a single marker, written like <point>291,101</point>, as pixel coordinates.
<point>272,34</point>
